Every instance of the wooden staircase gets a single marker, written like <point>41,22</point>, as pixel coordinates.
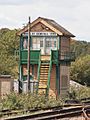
<point>44,71</point>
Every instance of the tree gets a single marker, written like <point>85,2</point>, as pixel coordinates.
<point>80,70</point>
<point>81,48</point>
<point>8,43</point>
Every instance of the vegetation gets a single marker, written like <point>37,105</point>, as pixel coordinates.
<point>80,70</point>
<point>8,43</point>
<point>79,92</point>
<point>81,48</point>
<point>28,101</point>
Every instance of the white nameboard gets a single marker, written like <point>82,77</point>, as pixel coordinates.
<point>40,34</point>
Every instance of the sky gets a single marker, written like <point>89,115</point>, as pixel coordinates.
<point>71,14</point>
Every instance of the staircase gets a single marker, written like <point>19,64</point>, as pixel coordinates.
<point>44,75</point>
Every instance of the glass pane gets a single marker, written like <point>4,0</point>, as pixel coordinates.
<point>25,43</point>
<point>41,43</point>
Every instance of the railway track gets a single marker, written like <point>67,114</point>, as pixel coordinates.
<point>56,114</point>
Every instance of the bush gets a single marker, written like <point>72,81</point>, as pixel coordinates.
<point>28,101</point>
<point>79,92</point>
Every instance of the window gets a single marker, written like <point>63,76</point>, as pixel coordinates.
<point>48,44</point>
<point>55,44</point>
<point>25,44</point>
<point>41,43</point>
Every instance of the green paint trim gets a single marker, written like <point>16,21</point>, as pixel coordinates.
<point>49,75</point>
<point>20,67</point>
<point>58,75</point>
<point>38,73</point>
<point>58,79</point>
<point>33,69</point>
<point>59,42</point>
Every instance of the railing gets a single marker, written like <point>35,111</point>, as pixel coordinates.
<point>34,56</point>
<point>67,56</point>
<point>49,74</point>
<point>55,56</point>
<point>39,64</point>
<point>62,56</point>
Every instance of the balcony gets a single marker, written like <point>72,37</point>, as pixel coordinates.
<point>23,56</point>
<point>35,54</point>
<point>67,56</point>
<point>62,56</point>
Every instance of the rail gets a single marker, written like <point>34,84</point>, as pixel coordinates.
<point>39,64</point>
<point>52,114</point>
<point>49,74</point>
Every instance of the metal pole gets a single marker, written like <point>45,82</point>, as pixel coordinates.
<point>28,62</point>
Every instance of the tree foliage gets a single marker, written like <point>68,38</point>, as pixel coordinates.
<point>8,43</point>
<point>80,70</point>
<point>81,48</point>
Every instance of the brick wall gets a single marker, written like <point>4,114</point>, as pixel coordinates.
<point>6,85</point>
<point>35,70</point>
<point>52,91</point>
<point>64,79</point>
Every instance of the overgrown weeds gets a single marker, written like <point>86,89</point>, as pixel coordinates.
<point>28,101</point>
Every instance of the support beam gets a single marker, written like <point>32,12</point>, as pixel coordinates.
<point>28,63</point>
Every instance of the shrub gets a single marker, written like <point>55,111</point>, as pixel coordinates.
<point>79,92</point>
<point>28,101</point>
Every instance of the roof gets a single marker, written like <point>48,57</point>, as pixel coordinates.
<point>54,26</point>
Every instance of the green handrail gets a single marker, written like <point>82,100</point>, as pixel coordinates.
<point>49,74</point>
<point>39,64</point>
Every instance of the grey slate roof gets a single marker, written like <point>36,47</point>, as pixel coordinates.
<point>58,27</point>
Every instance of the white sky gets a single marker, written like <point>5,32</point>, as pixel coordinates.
<point>74,15</point>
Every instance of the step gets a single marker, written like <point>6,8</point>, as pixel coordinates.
<point>44,66</point>
<point>42,87</point>
<point>43,81</point>
<point>45,73</point>
<point>45,57</point>
<point>43,78</point>
<point>42,91</point>
<point>42,84</point>
<point>44,69</point>
<point>45,62</point>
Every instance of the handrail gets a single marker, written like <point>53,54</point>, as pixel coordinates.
<point>49,73</point>
<point>67,55</point>
<point>39,64</point>
<point>64,55</point>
